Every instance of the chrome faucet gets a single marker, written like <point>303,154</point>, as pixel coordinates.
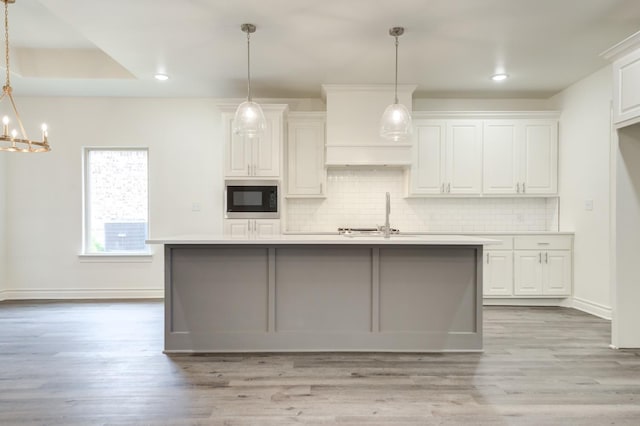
<point>387,225</point>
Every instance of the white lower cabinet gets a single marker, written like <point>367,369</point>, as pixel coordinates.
<point>498,273</point>
<point>498,268</point>
<point>251,228</point>
<point>522,266</point>
<point>542,265</point>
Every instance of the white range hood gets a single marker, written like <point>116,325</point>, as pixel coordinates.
<point>353,125</point>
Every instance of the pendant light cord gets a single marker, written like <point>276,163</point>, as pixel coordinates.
<point>6,41</point>
<point>396,85</point>
<point>248,66</point>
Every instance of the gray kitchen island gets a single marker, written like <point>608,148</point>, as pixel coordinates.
<point>323,293</point>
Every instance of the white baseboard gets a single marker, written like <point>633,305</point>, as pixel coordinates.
<point>525,302</point>
<point>65,294</point>
<point>592,308</point>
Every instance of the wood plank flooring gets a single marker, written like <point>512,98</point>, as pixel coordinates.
<point>101,363</point>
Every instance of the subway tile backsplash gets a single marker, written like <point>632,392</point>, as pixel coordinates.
<point>355,198</point>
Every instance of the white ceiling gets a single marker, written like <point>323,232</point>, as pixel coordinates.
<point>450,47</point>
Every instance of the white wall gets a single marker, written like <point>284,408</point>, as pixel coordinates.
<point>3,236</point>
<point>625,331</point>
<point>584,175</point>
<point>44,195</point>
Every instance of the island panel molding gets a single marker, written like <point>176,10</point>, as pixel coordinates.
<point>412,294</point>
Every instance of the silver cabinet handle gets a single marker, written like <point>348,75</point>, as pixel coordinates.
<point>321,189</point>
<point>546,257</point>
<point>248,170</point>
<point>449,187</point>
<point>524,188</point>
<point>540,257</point>
<point>442,189</point>
<point>518,187</point>
<point>487,258</point>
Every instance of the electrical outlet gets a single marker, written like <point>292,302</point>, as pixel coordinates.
<point>196,207</point>
<point>588,205</point>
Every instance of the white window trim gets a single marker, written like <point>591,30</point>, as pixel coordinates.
<point>109,257</point>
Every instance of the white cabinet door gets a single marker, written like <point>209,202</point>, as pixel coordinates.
<point>501,157</point>
<point>557,273</point>
<point>237,228</point>
<point>520,157</point>
<point>254,157</point>
<point>464,157</point>
<point>527,266</point>
<point>306,175</point>
<point>626,89</point>
<point>428,163</point>
<point>266,149</point>
<point>238,150</point>
<point>498,273</point>
<point>245,229</point>
<point>266,228</point>
<point>540,157</point>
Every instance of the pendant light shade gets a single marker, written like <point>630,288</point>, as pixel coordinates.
<point>249,120</point>
<point>395,124</point>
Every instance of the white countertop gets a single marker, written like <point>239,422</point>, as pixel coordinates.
<point>401,239</point>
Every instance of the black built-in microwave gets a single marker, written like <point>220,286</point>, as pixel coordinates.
<point>251,199</point>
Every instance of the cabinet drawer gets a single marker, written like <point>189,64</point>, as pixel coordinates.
<point>506,242</point>
<point>543,242</point>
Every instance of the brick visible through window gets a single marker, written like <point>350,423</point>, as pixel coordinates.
<point>116,206</point>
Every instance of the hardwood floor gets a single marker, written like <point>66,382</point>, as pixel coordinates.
<point>94,363</point>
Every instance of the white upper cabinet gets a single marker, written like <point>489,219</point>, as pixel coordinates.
<point>501,154</point>
<point>429,150</point>
<point>520,157</point>
<point>464,157</point>
<point>626,81</point>
<point>306,173</point>
<point>447,157</point>
<point>255,157</point>
<point>540,157</point>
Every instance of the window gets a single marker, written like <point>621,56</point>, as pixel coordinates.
<point>116,202</point>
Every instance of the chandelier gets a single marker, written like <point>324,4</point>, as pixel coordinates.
<point>396,120</point>
<point>13,141</point>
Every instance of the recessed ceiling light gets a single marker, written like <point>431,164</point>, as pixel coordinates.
<point>161,77</point>
<point>499,77</point>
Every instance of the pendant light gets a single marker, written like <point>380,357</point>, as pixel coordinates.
<point>396,120</point>
<point>249,119</point>
<point>10,140</point>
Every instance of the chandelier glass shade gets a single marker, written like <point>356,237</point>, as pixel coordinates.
<point>249,120</point>
<point>14,140</point>
<point>396,124</point>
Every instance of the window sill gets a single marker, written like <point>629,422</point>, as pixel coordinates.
<point>116,257</point>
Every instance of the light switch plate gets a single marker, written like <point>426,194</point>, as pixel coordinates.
<point>588,205</point>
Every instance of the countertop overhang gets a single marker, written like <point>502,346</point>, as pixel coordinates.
<point>400,239</point>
